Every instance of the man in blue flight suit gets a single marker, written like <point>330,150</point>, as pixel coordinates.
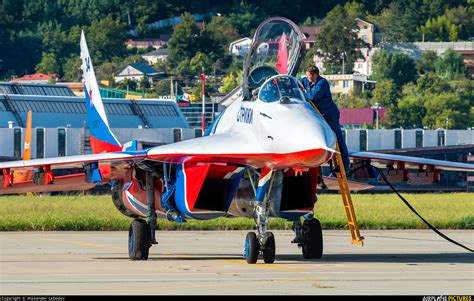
<point>317,91</point>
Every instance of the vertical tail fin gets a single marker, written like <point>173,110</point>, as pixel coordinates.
<point>102,138</point>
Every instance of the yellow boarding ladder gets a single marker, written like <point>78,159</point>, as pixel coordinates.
<point>347,200</point>
<point>345,194</point>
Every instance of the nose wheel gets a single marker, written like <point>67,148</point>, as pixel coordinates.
<point>253,248</point>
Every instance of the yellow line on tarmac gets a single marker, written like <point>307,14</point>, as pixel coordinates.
<point>80,243</point>
<point>301,279</point>
<point>265,265</point>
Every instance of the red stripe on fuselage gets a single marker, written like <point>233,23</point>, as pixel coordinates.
<point>310,158</point>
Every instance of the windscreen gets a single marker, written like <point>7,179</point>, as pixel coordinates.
<point>280,88</point>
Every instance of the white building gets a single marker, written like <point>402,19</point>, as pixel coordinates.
<point>240,48</point>
<point>156,55</point>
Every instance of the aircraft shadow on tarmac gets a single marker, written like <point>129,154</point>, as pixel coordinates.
<point>409,258</point>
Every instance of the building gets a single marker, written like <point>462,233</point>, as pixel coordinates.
<point>37,78</point>
<point>365,31</point>
<point>347,83</point>
<point>364,65</point>
<point>146,43</point>
<point>156,55</point>
<point>240,48</point>
<point>360,117</point>
<point>310,35</point>
<point>22,88</point>
<point>136,72</point>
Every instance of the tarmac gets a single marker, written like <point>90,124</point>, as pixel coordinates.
<point>392,262</point>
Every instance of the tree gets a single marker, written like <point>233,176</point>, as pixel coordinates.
<point>450,65</point>
<point>455,24</point>
<point>184,42</point>
<point>447,105</point>
<point>230,82</point>
<point>386,94</point>
<point>222,32</point>
<point>336,51</point>
<point>410,112</point>
<point>48,64</point>
<point>200,62</point>
<point>399,22</point>
<point>246,18</point>
<point>355,10</point>
<point>426,62</point>
<point>72,69</point>
<point>395,66</point>
<point>105,38</point>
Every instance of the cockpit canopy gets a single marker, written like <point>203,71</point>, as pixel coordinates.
<point>276,48</point>
<point>281,88</point>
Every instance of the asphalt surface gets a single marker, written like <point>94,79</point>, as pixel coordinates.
<point>210,262</point>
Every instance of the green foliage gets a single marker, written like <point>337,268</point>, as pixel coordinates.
<point>429,102</point>
<point>105,39</point>
<point>400,21</point>
<point>246,18</point>
<point>48,64</point>
<point>334,50</point>
<point>72,69</point>
<point>231,81</point>
<point>355,9</point>
<point>385,93</point>
<point>450,65</point>
<point>451,106</point>
<point>308,58</point>
<point>411,109</point>
<point>455,24</point>
<point>426,62</point>
<point>312,21</point>
<point>183,44</point>
<point>395,66</point>
<point>222,31</point>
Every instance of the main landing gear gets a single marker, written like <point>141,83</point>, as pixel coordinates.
<point>309,237</point>
<point>139,240</point>
<point>141,235</point>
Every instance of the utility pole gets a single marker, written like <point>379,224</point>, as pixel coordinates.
<point>203,117</point>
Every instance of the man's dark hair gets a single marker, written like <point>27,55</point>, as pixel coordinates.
<point>312,69</point>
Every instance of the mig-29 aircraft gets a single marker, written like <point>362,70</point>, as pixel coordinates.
<point>261,157</point>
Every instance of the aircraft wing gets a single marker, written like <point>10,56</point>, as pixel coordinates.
<point>413,162</point>
<point>73,161</point>
<point>215,148</point>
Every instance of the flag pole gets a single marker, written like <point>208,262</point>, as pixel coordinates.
<point>203,119</point>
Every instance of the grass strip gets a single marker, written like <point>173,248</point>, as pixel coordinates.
<point>374,211</point>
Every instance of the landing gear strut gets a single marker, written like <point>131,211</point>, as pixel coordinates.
<point>264,241</point>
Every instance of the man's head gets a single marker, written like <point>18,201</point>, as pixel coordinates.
<point>312,73</point>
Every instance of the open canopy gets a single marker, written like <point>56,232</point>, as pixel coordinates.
<point>276,48</point>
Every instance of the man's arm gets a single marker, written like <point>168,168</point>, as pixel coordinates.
<point>317,91</point>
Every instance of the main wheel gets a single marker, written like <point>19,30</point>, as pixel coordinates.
<point>269,249</point>
<point>312,239</point>
<point>252,247</point>
<point>139,237</point>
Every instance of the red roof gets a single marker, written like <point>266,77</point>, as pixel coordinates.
<point>359,116</point>
<point>36,76</point>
